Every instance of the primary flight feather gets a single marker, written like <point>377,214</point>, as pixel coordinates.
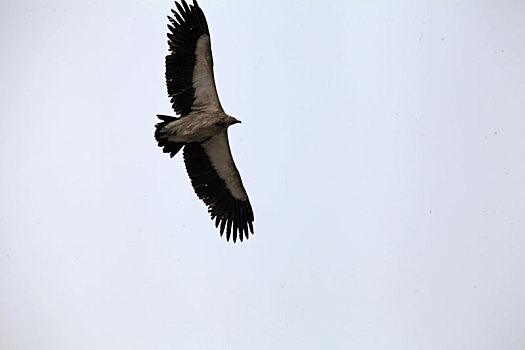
<point>202,125</point>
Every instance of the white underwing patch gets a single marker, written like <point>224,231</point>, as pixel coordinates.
<point>206,97</point>
<point>218,150</point>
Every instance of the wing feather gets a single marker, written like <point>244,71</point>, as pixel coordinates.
<point>189,67</point>
<point>217,182</point>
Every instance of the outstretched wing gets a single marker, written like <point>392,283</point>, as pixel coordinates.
<point>189,67</point>
<point>217,182</point>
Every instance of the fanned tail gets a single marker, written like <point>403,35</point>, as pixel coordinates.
<point>167,146</point>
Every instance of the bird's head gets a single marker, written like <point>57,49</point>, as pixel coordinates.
<point>231,120</point>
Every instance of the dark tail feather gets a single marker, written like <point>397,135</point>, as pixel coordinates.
<point>167,146</point>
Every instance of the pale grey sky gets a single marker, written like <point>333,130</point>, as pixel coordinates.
<point>382,146</point>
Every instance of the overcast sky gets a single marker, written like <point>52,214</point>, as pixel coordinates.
<point>382,147</point>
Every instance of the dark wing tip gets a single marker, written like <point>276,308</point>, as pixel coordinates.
<point>190,19</point>
<point>237,221</point>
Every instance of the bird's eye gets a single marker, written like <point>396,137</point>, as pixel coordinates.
<point>221,124</point>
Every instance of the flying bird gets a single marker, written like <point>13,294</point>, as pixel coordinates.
<point>202,126</point>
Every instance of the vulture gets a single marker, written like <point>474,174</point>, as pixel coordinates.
<point>201,128</point>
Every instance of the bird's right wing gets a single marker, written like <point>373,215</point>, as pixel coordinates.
<point>217,182</point>
<point>189,67</point>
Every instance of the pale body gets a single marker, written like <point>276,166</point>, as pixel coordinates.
<point>198,128</point>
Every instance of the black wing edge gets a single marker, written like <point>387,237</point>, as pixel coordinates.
<point>186,26</point>
<point>234,216</point>
<point>167,147</point>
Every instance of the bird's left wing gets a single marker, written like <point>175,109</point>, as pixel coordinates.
<point>217,182</point>
<point>189,67</point>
